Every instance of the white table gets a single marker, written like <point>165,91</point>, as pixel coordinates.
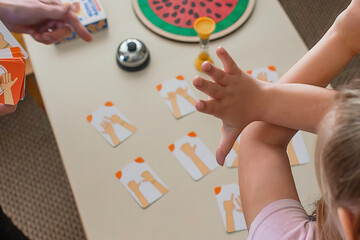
<point>76,78</point>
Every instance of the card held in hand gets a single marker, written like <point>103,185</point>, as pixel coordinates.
<point>12,68</point>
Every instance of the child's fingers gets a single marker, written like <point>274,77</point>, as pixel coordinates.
<point>229,64</point>
<point>210,88</point>
<point>209,107</point>
<point>226,143</point>
<point>215,73</point>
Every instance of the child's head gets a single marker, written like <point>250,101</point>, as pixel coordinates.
<point>338,167</point>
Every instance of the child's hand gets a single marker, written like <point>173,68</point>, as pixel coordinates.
<point>234,98</point>
<point>347,25</point>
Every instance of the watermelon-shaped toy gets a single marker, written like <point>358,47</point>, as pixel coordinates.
<point>175,19</point>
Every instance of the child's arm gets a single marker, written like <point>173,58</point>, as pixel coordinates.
<point>265,174</point>
<point>332,53</point>
<point>238,99</point>
<point>318,67</point>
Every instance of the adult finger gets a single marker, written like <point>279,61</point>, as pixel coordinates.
<point>228,138</point>
<point>215,73</point>
<point>77,26</point>
<point>40,38</point>
<point>209,88</point>
<point>63,12</point>
<point>211,107</point>
<point>228,63</point>
<point>6,109</point>
<point>58,34</point>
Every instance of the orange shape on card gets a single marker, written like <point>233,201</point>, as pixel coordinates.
<point>109,104</point>
<point>217,190</point>
<point>272,68</point>
<point>139,160</point>
<point>89,118</point>
<point>159,87</point>
<point>192,134</point>
<point>180,77</point>
<point>172,147</point>
<point>118,174</point>
<point>249,72</point>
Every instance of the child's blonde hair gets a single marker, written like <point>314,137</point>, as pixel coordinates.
<point>338,165</point>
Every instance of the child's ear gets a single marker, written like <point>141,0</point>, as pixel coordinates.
<point>347,220</point>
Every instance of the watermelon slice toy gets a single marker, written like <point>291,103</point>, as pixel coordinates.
<point>175,19</point>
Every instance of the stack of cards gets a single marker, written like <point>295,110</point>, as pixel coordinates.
<point>12,68</point>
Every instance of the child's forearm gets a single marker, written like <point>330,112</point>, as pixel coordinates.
<point>323,62</point>
<point>296,106</point>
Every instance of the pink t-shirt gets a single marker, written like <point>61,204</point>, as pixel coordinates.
<point>283,219</point>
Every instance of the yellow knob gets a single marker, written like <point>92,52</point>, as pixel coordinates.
<point>204,26</point>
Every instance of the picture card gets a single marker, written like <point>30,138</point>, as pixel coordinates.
<point>12,68</point>
<point>178,96</point>
<point>7,40</point>
<point>231,159</point>
<point>266,74</point>
<point>12,80</point>
<point>142,182</point>
<point>228,198</point>
<point>297,151</point>
<point>111,124</point>
<point>194,156</point>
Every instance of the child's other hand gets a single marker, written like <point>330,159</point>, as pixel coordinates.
<point>347,25</point>
<point>233,97</point>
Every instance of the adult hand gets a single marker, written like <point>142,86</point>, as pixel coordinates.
<point>47,21</point>
<point>6,109</point>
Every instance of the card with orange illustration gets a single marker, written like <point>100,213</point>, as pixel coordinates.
<point>228,198</point>
<point>297,151</point>
<point>266,74</point>
<point>111,124</point>
<point>7,40</point>
<point>194,156</point>
<point>178,96</point>
<point>142,182</point>
<point>12,68</point>
<point>231,159</point>
<point>12,77</point>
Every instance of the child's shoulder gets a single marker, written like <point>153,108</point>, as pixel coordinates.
<point>283,219</point>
